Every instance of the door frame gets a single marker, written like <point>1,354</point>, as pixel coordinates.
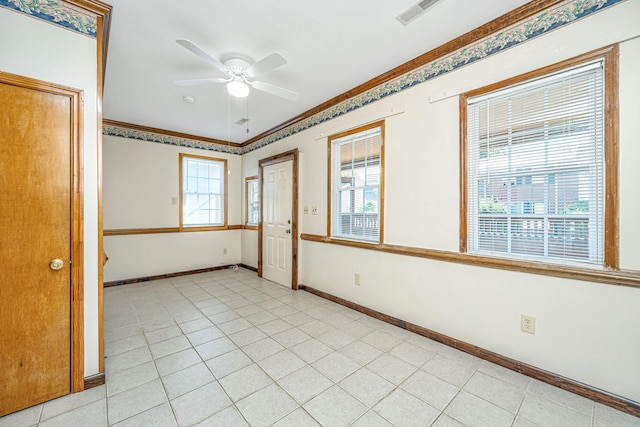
<point>76,226</point>
<point>292,155</point>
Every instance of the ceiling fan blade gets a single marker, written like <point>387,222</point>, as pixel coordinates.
<point>202,54</point>
<point>276,90</point>
<point>194,82</point>
<point>266,64</point>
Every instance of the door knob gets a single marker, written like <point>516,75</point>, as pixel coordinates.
<point>288,231</point>
<point>56,264</point>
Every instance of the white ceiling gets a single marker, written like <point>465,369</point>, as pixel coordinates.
<point>331,46</point>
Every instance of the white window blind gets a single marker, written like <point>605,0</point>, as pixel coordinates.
<point>535,177</point>
<point>356,171</point>
<point>202,192</point>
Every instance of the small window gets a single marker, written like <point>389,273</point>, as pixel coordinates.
<point>535,168</point>
<point>356,183</point>
<point>252,201</point>
<point>202,191</point>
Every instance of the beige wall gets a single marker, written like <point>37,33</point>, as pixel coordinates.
<point>584,331</point>
<point>43,51</point>
<point>140,178</point>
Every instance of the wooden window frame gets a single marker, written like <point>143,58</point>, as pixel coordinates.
<point>247,225</point>
<point>609,56</point>
<point>224,225</point>
<point>330,139</point>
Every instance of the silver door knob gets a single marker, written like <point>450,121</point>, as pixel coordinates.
<point>288,231</point>
<point>56,264</point>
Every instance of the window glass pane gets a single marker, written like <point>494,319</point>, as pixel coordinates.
<point>346,198</point>
<point>371,198</point>
<point>356,185</point>
<point>373,174</point>
<point>252,201</point>
<point>192,184</point>
<point>203,185</point>
<point>202,192</point>
<point>535,168</point>
<point>215,186</point>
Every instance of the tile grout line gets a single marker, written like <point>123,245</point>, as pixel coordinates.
<point>233,403</point>
<point>245,293</point>
<point>293,326</point>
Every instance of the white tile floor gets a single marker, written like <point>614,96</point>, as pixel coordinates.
<point>230,349</point>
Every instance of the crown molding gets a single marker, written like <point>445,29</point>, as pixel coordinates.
<point>162,136</point>
<point>525,23</point>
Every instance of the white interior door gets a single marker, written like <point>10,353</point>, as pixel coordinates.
<point>276,222</point>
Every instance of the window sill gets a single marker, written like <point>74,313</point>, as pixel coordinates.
<point>552,262</point>
<point>352,242</point>
<point>613,277</point>
<point>204,228</point>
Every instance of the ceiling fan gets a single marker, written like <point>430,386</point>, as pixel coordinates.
<point>240,74</point>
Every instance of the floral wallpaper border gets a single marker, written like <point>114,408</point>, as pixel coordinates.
<point>546,21</point>
<point>56,12</point>
<point>169,140</point>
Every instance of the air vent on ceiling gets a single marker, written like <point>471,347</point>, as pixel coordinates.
<point>414,11</point>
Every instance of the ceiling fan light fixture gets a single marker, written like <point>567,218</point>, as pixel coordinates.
<point>237,88</point>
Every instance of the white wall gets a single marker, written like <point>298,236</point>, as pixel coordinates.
<point>585,331</point>
<point>629,152</point>
<point>140,178</point>
<point>43,51</point>
<point>249,247</point>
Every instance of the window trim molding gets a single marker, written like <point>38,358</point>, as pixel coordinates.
<point>246,225</point>
<point>609,56</point>
<point>618,277</point>
<point>224,226</point>
<point>330,139</point>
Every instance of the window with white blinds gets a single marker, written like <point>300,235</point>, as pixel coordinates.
<point>202,191</point>
<point>535,169</point>
<point>356,184</point>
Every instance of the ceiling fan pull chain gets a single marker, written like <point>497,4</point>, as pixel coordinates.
<point>229,120</point>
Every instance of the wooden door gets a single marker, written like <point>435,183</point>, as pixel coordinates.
<point>277,222</point>
<point>36,134</point>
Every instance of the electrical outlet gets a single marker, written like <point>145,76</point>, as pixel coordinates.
<point>305,209</point>
<point>224,251</point>
<point>356,279</point>
<point>174,200</point>
<point>528,323</point>
<point>314,210</point>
